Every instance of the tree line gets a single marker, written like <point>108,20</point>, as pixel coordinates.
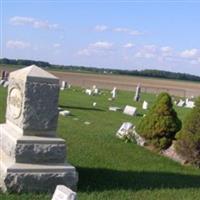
<point>145,73</point>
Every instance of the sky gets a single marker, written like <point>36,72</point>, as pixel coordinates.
<point>129,35</point>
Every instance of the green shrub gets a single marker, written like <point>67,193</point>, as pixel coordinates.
<point>160,124</point>
<point>188,139</point>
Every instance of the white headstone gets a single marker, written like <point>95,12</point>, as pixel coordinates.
<point>181,103</point>
<point>63,193</point>
<point>6,83</point>
<point>124,129</point>
<point>113,108</point>
<point>189,104</point>
<point>130,110</point>
<point>94,104</point>
<point>96,91</point>
<point>65,113</point>
<point>114,92</point>
<point>88,92</point>
<point>137,93</point>
<point>60,109</point>
<point>139,140</point>
<point>2,82</point>
<point>145,105</point>
<point>63,85</point>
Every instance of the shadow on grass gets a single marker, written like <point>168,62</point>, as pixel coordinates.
<point>106,179</point>
<point>81,108</point>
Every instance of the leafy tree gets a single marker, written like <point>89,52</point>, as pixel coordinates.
<point>160,124</point>
<point>188,139</point>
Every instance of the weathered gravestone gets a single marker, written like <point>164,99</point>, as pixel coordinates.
<point>114,93</point>
<point>189,103</point>
<point>145,105</point>
<point>181,103</point>
<point>65,113</point>
<point>114,108</point>
<point>124,130</point>
<point>88,92</point>
<point>32,157</point>
<point>63,193</point>
<point>130,110</point>
<point>137,93</point>
<point>63,85</point>
<point>6,76</point>
<point>5,84</point>
<point>3,75</point>
<point>2,82</point>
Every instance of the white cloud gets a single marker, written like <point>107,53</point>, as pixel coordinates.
<point>84,52</point>
<point>100,28</point>
<point>190,53</point>
<point>16,44</point>
<point>56,45</point>
<point>35,23</point>
<point>147,51</point>
<point>142,54</point>
<point>121,29</point>
<point>97,48</point>
<point>101,45</point>
<point>195,61</point>
<point>128,45</point>
<point>135,33</point>
<point>150,48</point>
<point>166,49</point>
<point>127,30</point>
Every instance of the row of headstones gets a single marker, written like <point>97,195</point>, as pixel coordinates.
<point>64,85</point>
<point>137,93</point>
<point>4,78</point>
<point>95,91</point>
<point>129,110</point>
<point>187,103</point>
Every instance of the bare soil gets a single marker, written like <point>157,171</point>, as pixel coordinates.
<point>153,85</point>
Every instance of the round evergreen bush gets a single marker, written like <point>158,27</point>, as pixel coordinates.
<point>160,124</point>
<point>188,139</point>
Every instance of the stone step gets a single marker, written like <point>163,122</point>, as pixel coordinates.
<point>11,166</point>
<point>32,149</point>
<point>5,161</point>
<point>15,176</point>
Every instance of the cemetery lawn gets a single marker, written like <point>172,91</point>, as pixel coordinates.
<point>108,167</point>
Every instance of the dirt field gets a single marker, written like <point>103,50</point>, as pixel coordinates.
<point>151,85</point>
<point>179,88</point>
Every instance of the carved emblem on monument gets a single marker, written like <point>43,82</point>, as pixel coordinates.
<point>15,102</point>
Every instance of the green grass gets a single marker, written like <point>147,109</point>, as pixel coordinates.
<point>109,168</point>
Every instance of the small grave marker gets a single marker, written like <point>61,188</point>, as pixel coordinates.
<point>137,93</point>
<point>130,110</point>
<point>145,105</point>
<point>124,129</point>
<point>63,193</point>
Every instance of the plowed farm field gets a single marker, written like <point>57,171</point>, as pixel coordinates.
<point>150,85</point>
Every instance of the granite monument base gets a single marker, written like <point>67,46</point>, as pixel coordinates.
<point>33,163</point>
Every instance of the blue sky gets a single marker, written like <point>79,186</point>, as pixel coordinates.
<point>115,34</point>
